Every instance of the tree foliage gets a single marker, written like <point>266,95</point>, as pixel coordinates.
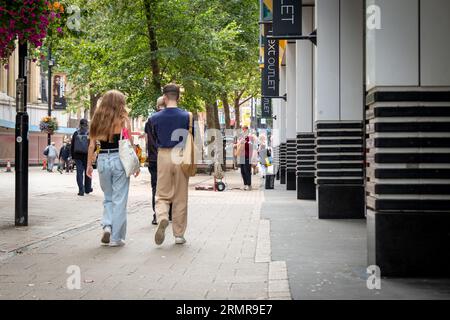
<point>209,47</point>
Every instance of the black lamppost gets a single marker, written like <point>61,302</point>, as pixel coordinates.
<point>51,63</point>
<point>21,143</point>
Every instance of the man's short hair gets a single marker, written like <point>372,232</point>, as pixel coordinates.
<point>172,91</point>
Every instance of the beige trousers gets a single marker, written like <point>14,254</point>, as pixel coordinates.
<point>172,187</point>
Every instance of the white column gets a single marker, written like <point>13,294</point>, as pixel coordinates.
<point>282,104</point>
<point>339,80</point>
<point>339,108</point>
<point>435,51</point>
<point>291,89</point>
<point>305,149</point>
<point>327,60</point>
<point>276,123</point>
<point>421,57</point>
<point>390,61</point>
<point>304,83</point>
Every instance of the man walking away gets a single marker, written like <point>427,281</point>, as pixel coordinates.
<point>152,156</point>
<point>79,151</point>
<point>64,156</point>
<point>172,187</point>
<point>51,154</point>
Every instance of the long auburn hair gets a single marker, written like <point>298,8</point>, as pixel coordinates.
<point>110,113</point>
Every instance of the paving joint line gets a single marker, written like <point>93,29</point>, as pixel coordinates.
<point>40,243</point>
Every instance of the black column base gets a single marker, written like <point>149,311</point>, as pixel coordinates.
<point>409,244</point>
<point>306,188</point>
<point>341,202</point>
<point>291,180</point>
<point>282,175</point>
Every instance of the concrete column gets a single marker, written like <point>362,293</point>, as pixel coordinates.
<point>3,79</point>
<point>339,109</point>
<point>283,125</point>
<point>408,150</point>
<point>291,111</point>
<point>12,75</point>
<point>276,136</point>
<point>306,188</point>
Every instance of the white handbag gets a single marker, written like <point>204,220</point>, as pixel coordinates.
<point>128,156</point>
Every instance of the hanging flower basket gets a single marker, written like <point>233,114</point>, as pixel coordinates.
<point>28,21</point>
<point>48,125</point>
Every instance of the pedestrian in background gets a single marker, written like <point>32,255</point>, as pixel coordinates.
<point>79,152</point>
<point>51,154</point>
<point>262,155</point>
<point>152,156</point>
<point>246,152</point>
<point>172,186</point>
<point>109,125</point>
<point>64,158</point>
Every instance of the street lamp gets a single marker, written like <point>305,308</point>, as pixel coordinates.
<point>51,64</point>
<point>21,143</point>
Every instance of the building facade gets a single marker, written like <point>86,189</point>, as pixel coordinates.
<point>365,128</point>
<point>37,108</point>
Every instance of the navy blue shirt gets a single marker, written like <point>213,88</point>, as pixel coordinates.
<point>152,148</point>
<point>165,122</point>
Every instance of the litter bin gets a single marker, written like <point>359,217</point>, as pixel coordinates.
<point>270,181</point>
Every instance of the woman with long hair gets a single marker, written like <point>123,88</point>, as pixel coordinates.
<point>109,124</point>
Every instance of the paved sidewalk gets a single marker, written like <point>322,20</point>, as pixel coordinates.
<point>227,255</point>
<point>327,259</point>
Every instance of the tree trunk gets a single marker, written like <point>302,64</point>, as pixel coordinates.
<point>237,113</point>
<point>149,6</point>
<point>216,116</point>
<point>226,110</point>
<point>93,104</point>
<point>209,116</point>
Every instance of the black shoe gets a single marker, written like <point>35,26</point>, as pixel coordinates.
<point>81,194</point>
<point>154,222</point>
<point>87,192</point>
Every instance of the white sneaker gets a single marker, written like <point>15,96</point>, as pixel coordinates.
<point>160,232</point>
<point>245,188</point>
<point>180,240</point>
<point>249,188</point>
<point>106,235</point>
<point>119,243</point>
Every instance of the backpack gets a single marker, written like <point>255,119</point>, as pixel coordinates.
<point>81,144</point>
<point>46,152</point>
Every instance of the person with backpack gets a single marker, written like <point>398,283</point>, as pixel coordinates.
<point>79,151</point>
<point>51,153</point>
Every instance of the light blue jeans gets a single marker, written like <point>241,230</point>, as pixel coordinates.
<point>115,185</point>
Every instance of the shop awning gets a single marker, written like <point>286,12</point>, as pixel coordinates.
<point>11,125</point>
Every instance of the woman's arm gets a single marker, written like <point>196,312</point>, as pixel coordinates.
<point>91,150</point>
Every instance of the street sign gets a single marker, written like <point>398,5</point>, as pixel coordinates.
<point>271,72</point>
<point>287,18</point>
<point>266,108</point>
